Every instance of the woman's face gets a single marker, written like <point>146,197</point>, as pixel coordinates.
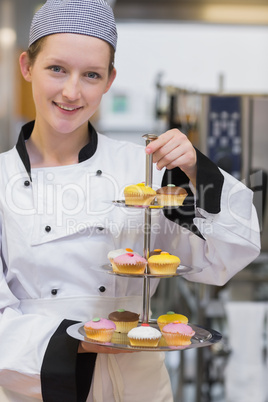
<point>69,77</point>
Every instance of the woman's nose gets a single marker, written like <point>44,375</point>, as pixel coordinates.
<point>71,89</point>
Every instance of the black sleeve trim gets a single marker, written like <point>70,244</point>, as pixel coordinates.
<point>209,184</point>
<point>65,374</point>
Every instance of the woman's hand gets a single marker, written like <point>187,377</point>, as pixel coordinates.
<point>87,347</point>
<point>173,149</point>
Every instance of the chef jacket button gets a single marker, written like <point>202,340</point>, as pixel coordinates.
<point>99,229</point>
<point>54,292</point>
<point>99,172</point>
<point>27,183</point>
<point>102,289</point>
<point>48,229</point>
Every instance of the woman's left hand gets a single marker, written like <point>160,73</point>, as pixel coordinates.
<point>173,149</point>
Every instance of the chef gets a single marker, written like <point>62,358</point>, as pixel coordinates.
<point>57,221</point>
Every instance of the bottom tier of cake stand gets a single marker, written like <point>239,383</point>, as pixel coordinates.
<point>203,337</point>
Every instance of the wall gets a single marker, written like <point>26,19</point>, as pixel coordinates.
<point>191,56</point>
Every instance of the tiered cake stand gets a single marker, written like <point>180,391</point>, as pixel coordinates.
<point>203,337</point>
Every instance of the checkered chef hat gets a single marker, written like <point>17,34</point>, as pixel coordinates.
<point>86,17</point>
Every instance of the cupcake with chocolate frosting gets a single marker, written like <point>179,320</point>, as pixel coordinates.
<point>124,320</point>
<point>171,195</point>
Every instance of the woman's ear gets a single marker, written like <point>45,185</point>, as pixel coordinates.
<point>110,80</point>
<point>25,67</point>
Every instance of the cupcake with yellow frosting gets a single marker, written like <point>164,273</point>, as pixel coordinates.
<point>139,194</point>
<point>165,319</point>
<point>163,264</point>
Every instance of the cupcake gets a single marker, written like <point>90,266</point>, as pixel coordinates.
<point>130,263</point>
<point>115,253</point>
<point>144,336</point>
<point>171,195</point>
<point>170,317</point>
<point>139,194</point>
<point>177,334</point>
<point>156,251</point>
<point>100,329</point>
<point>124,320</point>
<point>163,264</point>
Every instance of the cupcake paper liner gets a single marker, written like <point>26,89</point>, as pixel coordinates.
<point>170,200</point>
<point>138,268</point>
<point>139,200</point>
<point>164,269</point>
<point>99,335</point>
<point>125,327</point>
<point>177,339</point>
<point>144,342</point>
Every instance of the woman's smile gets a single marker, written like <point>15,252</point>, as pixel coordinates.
<point>70,109</point>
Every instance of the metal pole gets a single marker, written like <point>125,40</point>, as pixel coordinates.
<point>147,231</point>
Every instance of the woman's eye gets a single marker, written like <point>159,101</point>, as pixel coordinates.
<point>92,75</point>
<point>56,69</point>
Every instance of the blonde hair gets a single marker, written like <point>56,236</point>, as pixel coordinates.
<point>38,45</point>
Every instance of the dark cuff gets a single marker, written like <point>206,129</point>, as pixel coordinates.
<point>65,374</point>
<point>209,182</point>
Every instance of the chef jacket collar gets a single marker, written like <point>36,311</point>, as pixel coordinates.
<point>85,153</point>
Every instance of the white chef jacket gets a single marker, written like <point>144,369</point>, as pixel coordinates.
<point>57,226</point>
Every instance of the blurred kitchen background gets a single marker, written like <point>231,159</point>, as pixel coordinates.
<point>201,66</point>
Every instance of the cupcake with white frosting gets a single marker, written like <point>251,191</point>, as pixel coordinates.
<point>144,336</point>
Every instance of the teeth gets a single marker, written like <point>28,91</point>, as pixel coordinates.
<point>67,108</point>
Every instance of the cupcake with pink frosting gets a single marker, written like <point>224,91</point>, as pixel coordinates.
<point>130,263</point>
<point>99,329</point>
<point>116,253</point>
<point>177,334</point>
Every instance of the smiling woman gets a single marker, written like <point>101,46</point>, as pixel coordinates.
<point>67,91</point>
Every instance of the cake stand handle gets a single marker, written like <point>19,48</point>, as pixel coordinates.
<point>147,231</point>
